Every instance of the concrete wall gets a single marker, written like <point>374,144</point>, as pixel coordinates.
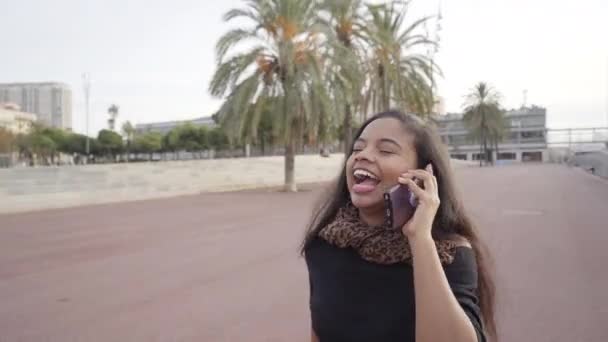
<point>24,189</point>
<point>594,162</point>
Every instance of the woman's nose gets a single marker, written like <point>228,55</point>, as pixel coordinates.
<point>364,155</point>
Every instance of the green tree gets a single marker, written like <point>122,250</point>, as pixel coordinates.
<point>484,118</point>
<point>218,140</point>
<point>110,142</point>
<point>344,22</point>
<point>401,74</point>
<point>128,132</point>
<point>59,138</point>
<point>282,61</point>
<point>170,141</point>
<point>75,143</point>
<point>149,142</point>
<point>43,146</point>
<point>266,133</point>
<point>188,138</point>
<point>7,140</point>
<point>43,142</point>
<point>203,138</point>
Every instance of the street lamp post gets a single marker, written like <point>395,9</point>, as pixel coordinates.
<point>86,82</point>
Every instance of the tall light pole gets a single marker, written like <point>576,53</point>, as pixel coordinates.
<point>86,83</point>
<point>431,51</point>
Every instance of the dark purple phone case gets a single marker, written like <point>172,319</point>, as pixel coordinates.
<point>400,205</point>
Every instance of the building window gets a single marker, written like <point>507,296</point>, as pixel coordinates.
<point>532,156</point>
<point>459,156</point>
<point>507,156</point>
<point>457,140</point>
<point>532,134</point>
<point>25,100</point>
<point>477,156</point>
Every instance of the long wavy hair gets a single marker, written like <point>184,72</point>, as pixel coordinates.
<point>451,218</point>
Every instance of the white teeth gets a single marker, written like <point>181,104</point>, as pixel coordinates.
<point>364,173</point>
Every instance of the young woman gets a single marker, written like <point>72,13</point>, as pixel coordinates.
<point>429,280</point>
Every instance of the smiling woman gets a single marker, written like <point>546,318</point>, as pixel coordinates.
<point>429,280</point>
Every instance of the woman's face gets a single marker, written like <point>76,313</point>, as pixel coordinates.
<point>380,155</point>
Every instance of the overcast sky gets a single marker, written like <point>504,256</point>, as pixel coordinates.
<point>154,58</point>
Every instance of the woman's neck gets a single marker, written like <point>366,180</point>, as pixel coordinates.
<point>372,216</point>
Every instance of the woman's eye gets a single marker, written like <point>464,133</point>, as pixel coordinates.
<point>386,152</point>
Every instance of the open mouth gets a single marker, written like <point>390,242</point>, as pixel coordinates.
<point>365,181</point>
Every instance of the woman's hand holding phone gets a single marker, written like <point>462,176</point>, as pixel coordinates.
<point>421,223</point>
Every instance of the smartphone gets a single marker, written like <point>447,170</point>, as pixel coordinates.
<point>400,205</point>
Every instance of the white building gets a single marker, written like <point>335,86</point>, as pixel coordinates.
<point>14,120</point>
<point>165,127</point>
<point>526,138</point>
<point>50,101</point>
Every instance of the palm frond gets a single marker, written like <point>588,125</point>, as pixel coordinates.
<point>230,39</point>
<point>228,73</point>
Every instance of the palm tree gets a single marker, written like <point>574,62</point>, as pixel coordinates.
<point>344,22</point>
<point>282,62</point>
<point>401,73</point>
<point>128,132</point>
<point>112,113</point>
<point>498,129</point>
<point>484,117</point>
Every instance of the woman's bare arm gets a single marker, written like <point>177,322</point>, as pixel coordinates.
<point>436,305</point>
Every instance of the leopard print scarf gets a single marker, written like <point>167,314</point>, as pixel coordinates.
<point>377,244</point>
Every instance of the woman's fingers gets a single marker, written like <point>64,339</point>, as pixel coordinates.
<point>432,172</point>
<point>426,177</point>
<point>418,191</point>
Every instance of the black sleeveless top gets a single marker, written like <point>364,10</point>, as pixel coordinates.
<point>355,300</point>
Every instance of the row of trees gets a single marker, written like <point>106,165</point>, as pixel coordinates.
<point>483,117</point>
<point>45,144</point>
<point>312,65</point>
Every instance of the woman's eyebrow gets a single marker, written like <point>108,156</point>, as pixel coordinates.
<point>390,141</point>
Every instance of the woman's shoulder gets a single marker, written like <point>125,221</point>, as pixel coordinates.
<point>460,241</point>
<point>463,268</point>
<point>317,249</point>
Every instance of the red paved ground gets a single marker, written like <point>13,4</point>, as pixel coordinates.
<point>224,267</point>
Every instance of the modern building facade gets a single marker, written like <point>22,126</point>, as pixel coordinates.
<point>526,138</point>
<point>50,101</point>
<point>166,126</point>
<point>14,120</point>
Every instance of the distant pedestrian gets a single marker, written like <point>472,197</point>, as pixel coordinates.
<point>429,280</point>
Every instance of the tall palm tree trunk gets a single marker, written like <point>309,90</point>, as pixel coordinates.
<point>496,147</point>
<point>386,97</point>
<point>290,180</point>
<point>348,128</point>
<point>484,140</point>
<point>486,158</point>
<point>480,150</point>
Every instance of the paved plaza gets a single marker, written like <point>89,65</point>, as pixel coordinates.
<point>225,267</point>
